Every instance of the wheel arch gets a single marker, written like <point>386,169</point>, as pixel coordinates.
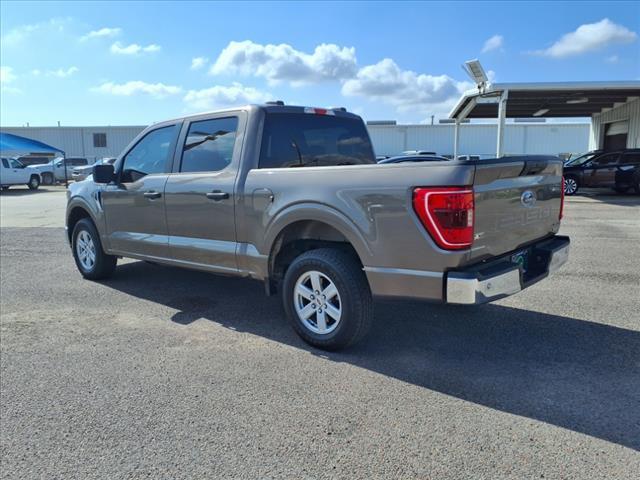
<point>76,211</point>
<point>308,227</point>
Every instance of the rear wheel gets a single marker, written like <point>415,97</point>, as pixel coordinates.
<point>5,187</point>
<point>47,179</point>
<point>621,189</point>
<point>34,182</point>
<point>327,299</point>
<point>90,259</point>
<point>570,185</point>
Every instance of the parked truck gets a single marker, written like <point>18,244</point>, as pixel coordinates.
<point>293,197</point>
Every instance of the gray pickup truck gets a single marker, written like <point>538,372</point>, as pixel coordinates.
<point>293,197</point>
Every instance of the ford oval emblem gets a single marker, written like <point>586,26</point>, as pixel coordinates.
<point>528,198</point>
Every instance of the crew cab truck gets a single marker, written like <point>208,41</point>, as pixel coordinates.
<point>293,197</point>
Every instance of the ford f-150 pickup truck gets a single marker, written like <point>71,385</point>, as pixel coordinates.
<point>293,197</point>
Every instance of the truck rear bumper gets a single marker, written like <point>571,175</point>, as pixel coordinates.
<point>502,277</point>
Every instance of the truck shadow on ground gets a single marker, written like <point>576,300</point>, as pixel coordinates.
<point>572,373</point>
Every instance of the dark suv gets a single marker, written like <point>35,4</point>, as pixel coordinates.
<point>617,169</point>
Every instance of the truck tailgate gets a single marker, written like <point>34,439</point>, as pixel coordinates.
<point>517,201</point>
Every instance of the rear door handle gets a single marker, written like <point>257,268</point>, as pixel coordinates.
<point>217,195</point>
<point>152,195</point>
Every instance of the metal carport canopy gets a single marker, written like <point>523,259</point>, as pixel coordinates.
<point>551,100</point>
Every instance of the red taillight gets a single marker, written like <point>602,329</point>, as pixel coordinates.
<point>561,200</point>
<point>447,214</point>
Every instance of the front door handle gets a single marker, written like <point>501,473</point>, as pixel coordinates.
<point>152,195</point>
<point>217,195</point>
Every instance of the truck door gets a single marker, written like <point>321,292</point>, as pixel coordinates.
<point>16,173</point>
<point>134,205</point>
<point>199,195</point>
<point>6,173</point>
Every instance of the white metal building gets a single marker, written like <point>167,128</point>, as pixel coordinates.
<point>87,142</point>
<point>480,139</point>
<point>475,139</point>
<point>618,125</point>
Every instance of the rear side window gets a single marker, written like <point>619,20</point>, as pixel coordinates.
<point>209,145</point>
<point>306,140</point>
<point>633,157</point>
<point>610,159</point>
<point>150,154</point>
<point>5,163</point>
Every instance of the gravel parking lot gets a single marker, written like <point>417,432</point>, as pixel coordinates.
<point>160,372</point>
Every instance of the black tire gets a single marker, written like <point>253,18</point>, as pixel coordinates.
<point>5,187</point>
<point>621,190</point>
<point>47,179</point>
<point>571,185</point>
<point>356,303</point>
<point>104,264</point>
<point>34,182</point>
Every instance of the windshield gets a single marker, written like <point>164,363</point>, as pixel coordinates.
<point>585,157</point>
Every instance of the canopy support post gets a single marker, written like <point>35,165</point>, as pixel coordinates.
<point>502,112</point>
<point>456,139</point>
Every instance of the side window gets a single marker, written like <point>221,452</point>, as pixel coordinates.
<point>150,154</point>
<point>209,145</point>
<point>5,163</point>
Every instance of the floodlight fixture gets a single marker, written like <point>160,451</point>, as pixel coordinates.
<point>476,73</point>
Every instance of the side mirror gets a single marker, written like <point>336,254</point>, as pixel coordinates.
<point>104,173</point>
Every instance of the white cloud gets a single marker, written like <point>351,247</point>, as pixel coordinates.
<point>589,37</point>
<point>198,62</point>
<point>404,89</point>
<point>134,49</point>
<point>7,75</point>
<point>136,87</point>
<point>36,72</point>
<point>612,59</point>
<point>60,73</point>
<point>282,62</point>
<point>22,32</point>
<point>221,96</point>
<point>493,43</point>
<point>103,32</point>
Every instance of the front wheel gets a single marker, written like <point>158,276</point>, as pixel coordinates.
<point>570,186</point>
<point>327,299</point>
<point>34,182</point>
<point>90,259</point>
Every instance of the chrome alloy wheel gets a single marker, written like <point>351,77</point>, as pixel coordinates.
<point>86,250</point>
<point>317,302</point>
<point>570,186</point>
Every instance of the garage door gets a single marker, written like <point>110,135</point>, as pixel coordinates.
<point>615,137</point>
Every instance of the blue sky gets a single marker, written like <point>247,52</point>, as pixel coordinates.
<point>125,63</point>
